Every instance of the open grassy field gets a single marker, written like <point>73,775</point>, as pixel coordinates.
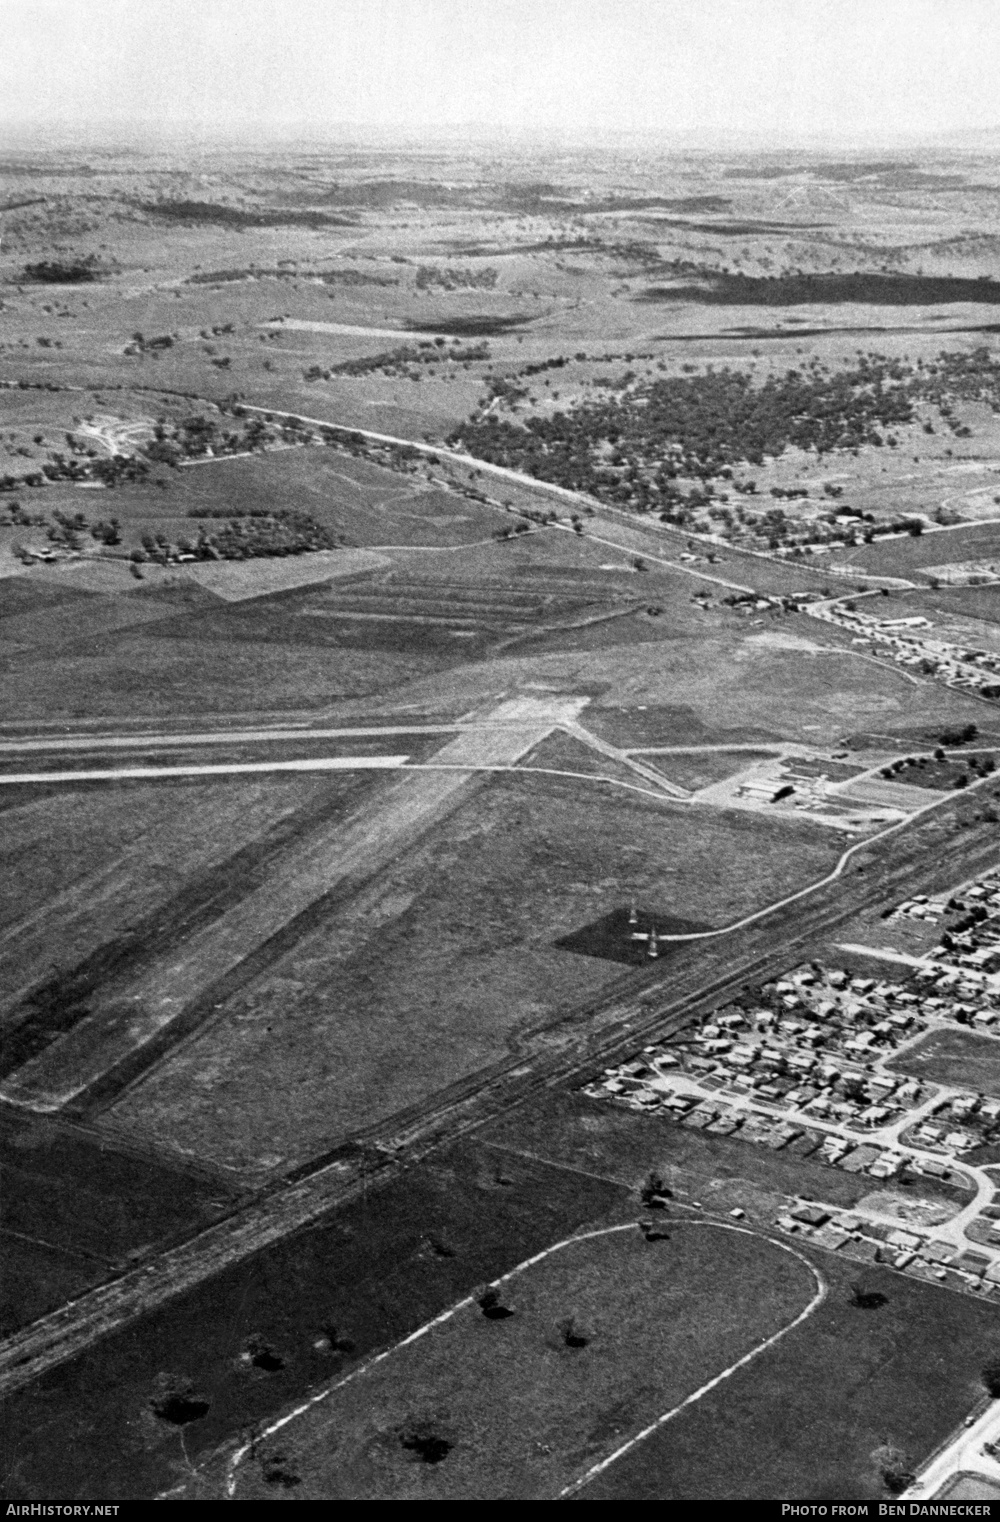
<point>638,725</point>
<point>743,684</point>
<point>603,1335</point>
<point>564,752</point>
<point>352,497</point>
<point>727,685</point>
<point>72,622</point>
<point>321,1301</point>
<point>312,1308</point>
<point>772,1442</point>
<point>76,1209</point>
<point>248,918</point>
<point>97,876</point>
<point>572,1130</point>
<point>466,923</point>
<point>806,1421</point>
<point>159,673</point>
<point>169,645</point>
<point>39,1278</point>
<point>978,605</point>
<point>705,767</point>
<point>230,580</point>
<point>903,555</point>
<point>955,1057</point>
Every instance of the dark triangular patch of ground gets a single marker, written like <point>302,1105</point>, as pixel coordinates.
<point>614,936</point>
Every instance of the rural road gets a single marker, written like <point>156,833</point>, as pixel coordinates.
<point>965,1454</point>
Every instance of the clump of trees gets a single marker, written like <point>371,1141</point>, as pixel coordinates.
<point>455,277</point>
<point>958,736</point>
<point>405,360</point>
<point>64,272</point>
<point>722,288</point>
<point>211,213</point>
<point>282,531</point>
<point>632,449</point>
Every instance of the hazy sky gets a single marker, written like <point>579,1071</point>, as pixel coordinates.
<point>851,68</point>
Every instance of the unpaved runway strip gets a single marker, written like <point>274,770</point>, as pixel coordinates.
<point>126,773</point>
<point>169,741</point>
<point>354,847</point>
<point>146,740</point>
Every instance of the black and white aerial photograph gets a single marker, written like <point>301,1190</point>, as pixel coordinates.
<point>500,753</point>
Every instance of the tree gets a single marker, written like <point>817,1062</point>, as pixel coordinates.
<point>865,1299</point>
<point>573,1334</point>
<point>654,1189</point>
<point>107,533</point>
<point>893,1467</point>
<point>491,1304</point>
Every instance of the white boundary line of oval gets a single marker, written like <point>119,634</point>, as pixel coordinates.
<point>633,1442</point>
